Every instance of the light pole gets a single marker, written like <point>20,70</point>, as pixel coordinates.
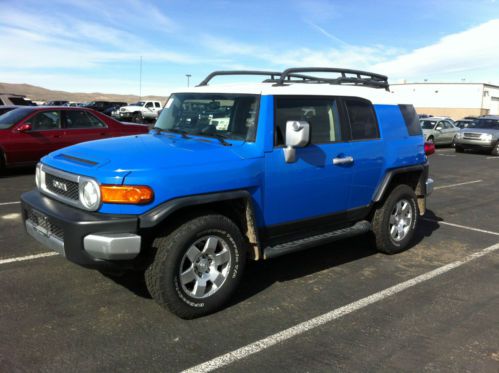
<point>140,80</point>
<point>188,79</point>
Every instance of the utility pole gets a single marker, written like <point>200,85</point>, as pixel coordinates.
<point>140,80</point>
<point>188,79</point>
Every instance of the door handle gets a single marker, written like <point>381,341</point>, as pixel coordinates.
<point>343,160</point>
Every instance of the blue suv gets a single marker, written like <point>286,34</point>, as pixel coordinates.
<point>235,172</point>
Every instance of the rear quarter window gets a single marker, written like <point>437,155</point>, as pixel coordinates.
<point>411,120</point>
<point>363,123</point>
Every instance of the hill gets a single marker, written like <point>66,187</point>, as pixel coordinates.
<point>42,94</point>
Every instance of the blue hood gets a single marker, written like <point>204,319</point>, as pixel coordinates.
<point>119,156</point>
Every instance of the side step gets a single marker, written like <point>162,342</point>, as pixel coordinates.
<point>360,227</point>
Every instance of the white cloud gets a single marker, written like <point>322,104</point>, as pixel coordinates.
<point>465,52</point>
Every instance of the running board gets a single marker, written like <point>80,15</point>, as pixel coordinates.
<point>360,227</point>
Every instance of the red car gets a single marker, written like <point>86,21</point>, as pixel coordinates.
<point>29,133</point>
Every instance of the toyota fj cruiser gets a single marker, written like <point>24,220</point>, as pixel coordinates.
<point>237,172</point>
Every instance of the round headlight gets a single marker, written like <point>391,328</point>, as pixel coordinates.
<point>38,175</point>
<point>90,194</point>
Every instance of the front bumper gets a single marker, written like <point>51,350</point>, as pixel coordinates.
<point>89,239</point>
<point>475,143</point>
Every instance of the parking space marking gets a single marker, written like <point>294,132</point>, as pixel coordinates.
<point>447,155</point>
<point>28,257</point>
<point>461,226</point>
<point>308,325</point>
<point>458,184</point>
<point>491,157</point>
<point>9,203</point>
<point>13,216</point>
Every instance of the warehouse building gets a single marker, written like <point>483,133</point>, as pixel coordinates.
<point>456,100</point>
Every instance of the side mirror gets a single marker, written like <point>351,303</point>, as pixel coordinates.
<point>297,136</point>
<point>24,127</point>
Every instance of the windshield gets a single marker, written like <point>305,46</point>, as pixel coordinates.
<point>428,124</point>
<point>10,118</point>
<point>230,116</point>
<point>140,103</point>
<point>487,123</point>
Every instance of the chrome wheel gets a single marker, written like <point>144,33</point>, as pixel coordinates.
<point>205,267</point>
<point>400,220</point>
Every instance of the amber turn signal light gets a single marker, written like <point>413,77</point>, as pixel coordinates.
<point>132,194</point>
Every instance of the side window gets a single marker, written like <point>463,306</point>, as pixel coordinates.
<point>321,113</point>
<point>81,119</point>
<point>448,125</point>
<point>411,120</point>
<point>46,120</point>
<point>149,105</point>
<point>156,104</point>
<point>440,126</point>
<point>362,119</point>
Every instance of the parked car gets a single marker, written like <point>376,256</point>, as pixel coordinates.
<point>140,112</point>
<point>29,133</point>
<point>465,123</point>
<point>439,130</point>
<point>103,106</point>
<point>8,99</point>
<point>484,135</point>
<point>57,103</point>
<point>230,172</point>
<point>6,109</point>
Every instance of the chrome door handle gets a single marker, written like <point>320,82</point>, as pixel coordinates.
<point>344,160</point>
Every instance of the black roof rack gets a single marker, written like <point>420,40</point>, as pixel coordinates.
<point>355,77</point>
<point>272,74</point>
<point>293,75</point>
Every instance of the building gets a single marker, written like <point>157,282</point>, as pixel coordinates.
<point>456,100</point>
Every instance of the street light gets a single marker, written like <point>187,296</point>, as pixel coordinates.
<point>188,79</point>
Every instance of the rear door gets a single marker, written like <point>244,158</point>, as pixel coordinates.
<point>313,187</point>
<point>367,151</point>
<point>81,126</point>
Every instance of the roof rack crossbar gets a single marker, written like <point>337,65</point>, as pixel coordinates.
<point>272,74</point>
<point>360,77</point>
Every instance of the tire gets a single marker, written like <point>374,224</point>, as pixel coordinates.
<point>459,149</point>
<point>188,250</point>
<point>495,150</point>
<point>453,143</point>
<point>401,205</point>
<point>138,118</point>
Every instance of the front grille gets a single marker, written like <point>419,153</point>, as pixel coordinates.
<point>63,187</point>
<point>468,135</point>
<point>43,223</point>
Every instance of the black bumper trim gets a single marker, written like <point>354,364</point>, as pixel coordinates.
<point>76,224</point>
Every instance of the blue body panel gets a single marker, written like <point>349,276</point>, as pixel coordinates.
<point>281,192</point>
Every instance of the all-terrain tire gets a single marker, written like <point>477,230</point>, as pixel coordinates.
<point>386,224</point>
<point>165,277</point>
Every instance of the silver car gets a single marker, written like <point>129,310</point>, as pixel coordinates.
<point>483,135</point>
<point>439,130</point>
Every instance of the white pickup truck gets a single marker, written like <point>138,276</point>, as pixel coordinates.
<point>139,112</point>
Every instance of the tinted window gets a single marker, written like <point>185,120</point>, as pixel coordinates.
<point>428,124</point>
<point>149,104</point>
<point>487,123</point>
<point>81,119</point>
<point>10,118</point>
<point>411,120</point>
<point>46,120</point>
<point>321,113</point>
<point>18,101</point>
<point>211,115</point>
<point>157,104</point>
<point>362,119</point>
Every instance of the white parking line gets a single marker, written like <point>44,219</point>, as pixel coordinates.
<point>293,331</point>
<point>456,185</point>
<point>9,203</point>
<point>492,158</point>
<point>461,226</point>
<point>447,155</point>
<point>13,216</point>
<point>28,257</point>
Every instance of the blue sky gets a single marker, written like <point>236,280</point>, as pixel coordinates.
<point>92,45</point>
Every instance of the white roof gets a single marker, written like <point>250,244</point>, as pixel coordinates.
<point>375,95</point>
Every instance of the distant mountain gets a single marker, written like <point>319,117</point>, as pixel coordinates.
<point>42,94</point>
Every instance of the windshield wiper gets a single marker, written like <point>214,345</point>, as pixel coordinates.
<point>173,130</point>
<point>218,136</point>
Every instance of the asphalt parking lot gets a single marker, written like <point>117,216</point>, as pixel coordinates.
<point>337,307</point>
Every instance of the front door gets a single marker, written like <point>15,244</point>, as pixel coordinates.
<point>315,186</point>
